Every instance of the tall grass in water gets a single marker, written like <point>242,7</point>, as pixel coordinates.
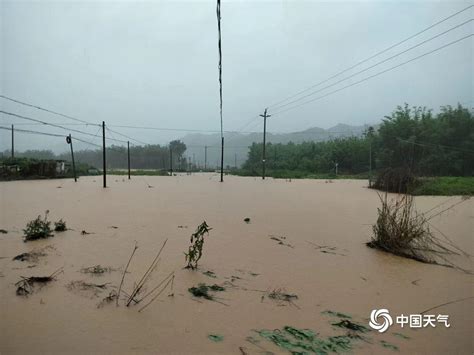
<point>402,231</point>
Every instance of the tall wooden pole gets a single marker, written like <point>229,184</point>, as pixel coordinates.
<point>264,140</point>
<point>171,162</point>
<point>13,142</point>
<point>104,162</point>
<point>370,164</point>
<point>222,159</point>
<point>72,157</point>
<point>128,158</point>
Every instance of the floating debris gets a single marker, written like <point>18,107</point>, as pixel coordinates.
<point>215,337</point>
<point>113,227</point>
<point>403,336</point>
<point>184,227</point>
<point>85,233</point>
<point>347,324</point>
<point>96,270</point>
<point>3,231</point>
<point>280,239</point>
<point>92,288</point>
<point>202,290</point>
<point>281,296</point>
<point>27,284</point>
<point>29,257</point>
<point>388,345</point>
<point>336,314</point>
<point>210,274</point>
<point>247,220</point>
<point>109,299</point>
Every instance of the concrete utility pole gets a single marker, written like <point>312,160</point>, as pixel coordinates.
<point>128,158</point>
<point>171,161</point>
<point>265,116</point>
<point>104,162</point>
<point>13,142</point>
<point>222,159</point>
<point>69,141</point>
<point>205,157</point>
<point>235,160</point>
<point>370,164</point>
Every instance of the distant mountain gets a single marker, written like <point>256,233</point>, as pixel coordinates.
<point>236,144</point>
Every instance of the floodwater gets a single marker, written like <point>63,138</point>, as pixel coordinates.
<point>345,276</point>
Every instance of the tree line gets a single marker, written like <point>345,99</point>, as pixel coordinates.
<point>152,156</point>
<point>413,138</point>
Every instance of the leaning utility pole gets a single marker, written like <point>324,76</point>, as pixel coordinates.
<point>104,163</point>
<point>264,140</point>
<point>69,141</point>
<point>13,142</point>
<point>128,158</point>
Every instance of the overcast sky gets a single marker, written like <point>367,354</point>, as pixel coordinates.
<point>154,63</point>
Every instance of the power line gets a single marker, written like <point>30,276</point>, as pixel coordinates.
<point>371,57</point>
<point>377,74</point>
<point>45,134</point>
<point>125,136</point>
<point>54,125</point>
<point>61,114</point>
<point>374,65</point>
<point>46,110</point>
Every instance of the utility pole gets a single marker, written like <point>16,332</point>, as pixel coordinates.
<point>13,142</point>
<point>171,161</point>
<point>222,159</point>
<point>128,158</point>
<point>370,164</point>
<point>104,162</point>
<point>235,160</point>
<point>264,140</point>
<point>205,158</point>
<point>69,141</point>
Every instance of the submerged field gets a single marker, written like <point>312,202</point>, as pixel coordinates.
<point>305,238</point>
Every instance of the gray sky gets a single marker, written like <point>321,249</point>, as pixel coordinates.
<point>154,63</point>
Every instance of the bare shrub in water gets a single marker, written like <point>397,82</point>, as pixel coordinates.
<point>402,231</point>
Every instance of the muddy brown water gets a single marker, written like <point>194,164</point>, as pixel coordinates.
<point>354,280</point>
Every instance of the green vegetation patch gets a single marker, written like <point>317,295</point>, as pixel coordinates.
<point>202,290</point>
<point>60,226</point>
<point>445,186</point>
<point>215,337</point>
<point>388,345</point>
<point>304,341</point>
<point>38,228</point>
<point>336,314</point>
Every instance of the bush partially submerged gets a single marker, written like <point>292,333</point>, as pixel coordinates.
<point>60,226</point>
<point>398,180</point>
<point>402,231</point>
<point>38,228</point>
